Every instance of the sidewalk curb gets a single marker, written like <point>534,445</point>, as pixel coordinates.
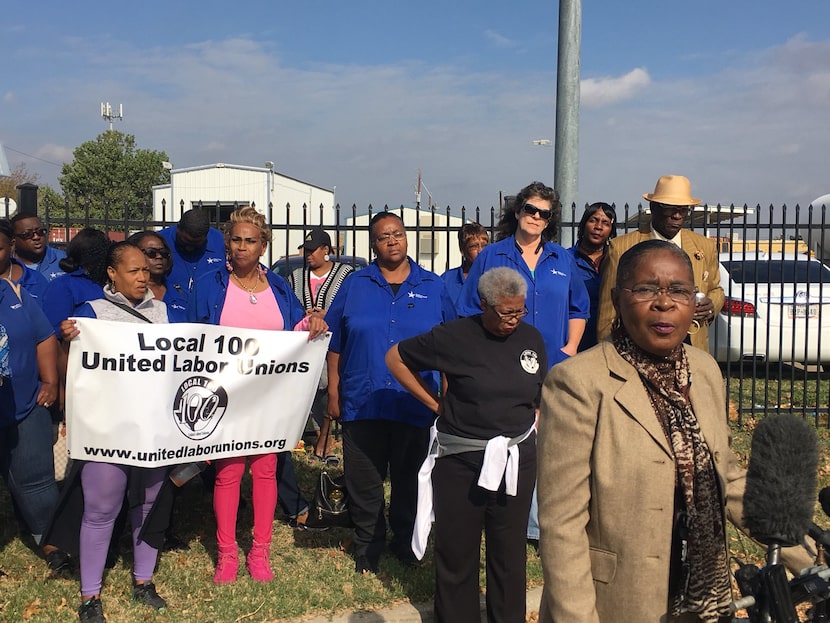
<point>408,612</point>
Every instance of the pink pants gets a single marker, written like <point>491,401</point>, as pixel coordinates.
<point>226,497</point>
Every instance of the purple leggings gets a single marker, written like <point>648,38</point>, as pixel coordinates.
<point>104,486</point>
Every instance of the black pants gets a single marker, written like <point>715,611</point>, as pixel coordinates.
<point>462,510</point>
<point>371,449</point>
<point>289,496</point>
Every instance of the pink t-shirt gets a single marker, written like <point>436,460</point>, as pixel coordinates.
<point>315,282</point>
<point>238,311</point>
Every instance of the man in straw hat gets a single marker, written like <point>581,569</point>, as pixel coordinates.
<point>670,204</point>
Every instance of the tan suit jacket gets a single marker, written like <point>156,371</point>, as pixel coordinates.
<point>701,250</point>
<point>606,487</point>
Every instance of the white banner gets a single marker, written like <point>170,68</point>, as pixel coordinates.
<point>161,394</point>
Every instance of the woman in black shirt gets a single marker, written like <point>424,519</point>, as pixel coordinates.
<point>483,447</point>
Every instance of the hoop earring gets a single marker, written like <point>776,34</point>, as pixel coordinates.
<point>326,257</point>
<point>694,324</point>
<point>616,323</point>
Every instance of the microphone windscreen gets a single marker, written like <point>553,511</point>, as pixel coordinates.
<point>781,480</point>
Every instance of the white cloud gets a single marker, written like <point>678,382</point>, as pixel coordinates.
<point>498,40</point>
<point>596,92</point>
<point>753,132</point>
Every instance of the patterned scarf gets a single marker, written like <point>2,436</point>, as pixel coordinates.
<point>704,586</point>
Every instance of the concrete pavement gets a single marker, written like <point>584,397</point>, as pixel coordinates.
<point>410,613</point>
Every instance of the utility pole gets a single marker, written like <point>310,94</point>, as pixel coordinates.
<point>566,154</point>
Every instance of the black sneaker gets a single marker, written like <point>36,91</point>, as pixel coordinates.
<point>363,566</point>
<point>172,543</point>
<point>59,562</point>
<point>91,611</point>
<point>146,594</point>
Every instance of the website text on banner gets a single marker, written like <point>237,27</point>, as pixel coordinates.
<point>152,395</point>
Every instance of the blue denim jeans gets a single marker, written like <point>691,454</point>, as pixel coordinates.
<point>533,519</point>
<point>27,466</point>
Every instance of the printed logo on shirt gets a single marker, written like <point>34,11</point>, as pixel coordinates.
<point>553,271</point>
<point>415,295</point>
<point>199,406</point>
<point>530,361</point>
<point>212,260</point>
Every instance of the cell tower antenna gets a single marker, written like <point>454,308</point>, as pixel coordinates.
<point>110,115</point>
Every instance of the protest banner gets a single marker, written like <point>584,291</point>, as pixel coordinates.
<point>160,394</point>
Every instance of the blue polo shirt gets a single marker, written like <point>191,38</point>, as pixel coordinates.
<point>176,304</point>
<point>366,319</point>
<point>66,294</point>
<point>591,279</point>
<point>33,281</point>
<point>49,266</point>
<point>454,280</point>
<point>555,290</point>
<point>187,268</point>
<point>26,326</point>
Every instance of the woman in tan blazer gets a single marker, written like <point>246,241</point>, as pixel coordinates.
<point>611,493</point>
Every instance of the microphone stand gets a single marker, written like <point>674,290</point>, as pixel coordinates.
<point>776,603</point>
<point>820,609</point>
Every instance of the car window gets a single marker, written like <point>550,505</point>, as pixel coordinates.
<point>777,271</point>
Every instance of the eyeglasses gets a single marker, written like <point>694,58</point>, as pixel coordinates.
<point>649,293</point>
<point>670,210</point>
<point>395,235</point>
<point>153,253</point>
<point>531,209</point>
<point>513,315</point>
<point>31,233</point>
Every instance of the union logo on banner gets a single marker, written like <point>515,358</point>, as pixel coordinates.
<point>199,406</point>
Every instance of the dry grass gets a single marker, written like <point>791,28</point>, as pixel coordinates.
<point>314,571</point>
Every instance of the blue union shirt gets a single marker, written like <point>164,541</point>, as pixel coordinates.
<point>555,290</point>
<point>366,319</point>
<point>26,326</point>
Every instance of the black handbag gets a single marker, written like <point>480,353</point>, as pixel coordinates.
<point>330,505</point>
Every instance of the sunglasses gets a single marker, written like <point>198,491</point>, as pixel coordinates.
<point>531,209</point>
<point>153,253</point>
<point>31,233</point>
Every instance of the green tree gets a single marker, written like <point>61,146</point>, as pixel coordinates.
<point>110,180</point>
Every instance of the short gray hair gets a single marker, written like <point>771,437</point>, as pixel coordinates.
<point>501,282</point>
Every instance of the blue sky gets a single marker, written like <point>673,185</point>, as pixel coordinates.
<point>360,95</point>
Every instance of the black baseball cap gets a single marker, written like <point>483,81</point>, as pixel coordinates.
<point>315,239</point>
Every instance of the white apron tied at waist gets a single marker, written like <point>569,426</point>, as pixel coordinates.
<point>501,460</point>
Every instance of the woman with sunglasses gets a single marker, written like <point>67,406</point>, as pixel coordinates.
<point>557,301</point>
<point>160,260</point>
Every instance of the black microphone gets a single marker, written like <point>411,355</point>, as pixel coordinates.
<point>781,480</point>
<point>824,500</point>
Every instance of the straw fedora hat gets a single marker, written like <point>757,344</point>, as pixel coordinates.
<point>673,190</point>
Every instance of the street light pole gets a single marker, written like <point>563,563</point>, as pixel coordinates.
<point>566,151</point>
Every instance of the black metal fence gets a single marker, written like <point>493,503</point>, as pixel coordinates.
<point>769,338</point>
